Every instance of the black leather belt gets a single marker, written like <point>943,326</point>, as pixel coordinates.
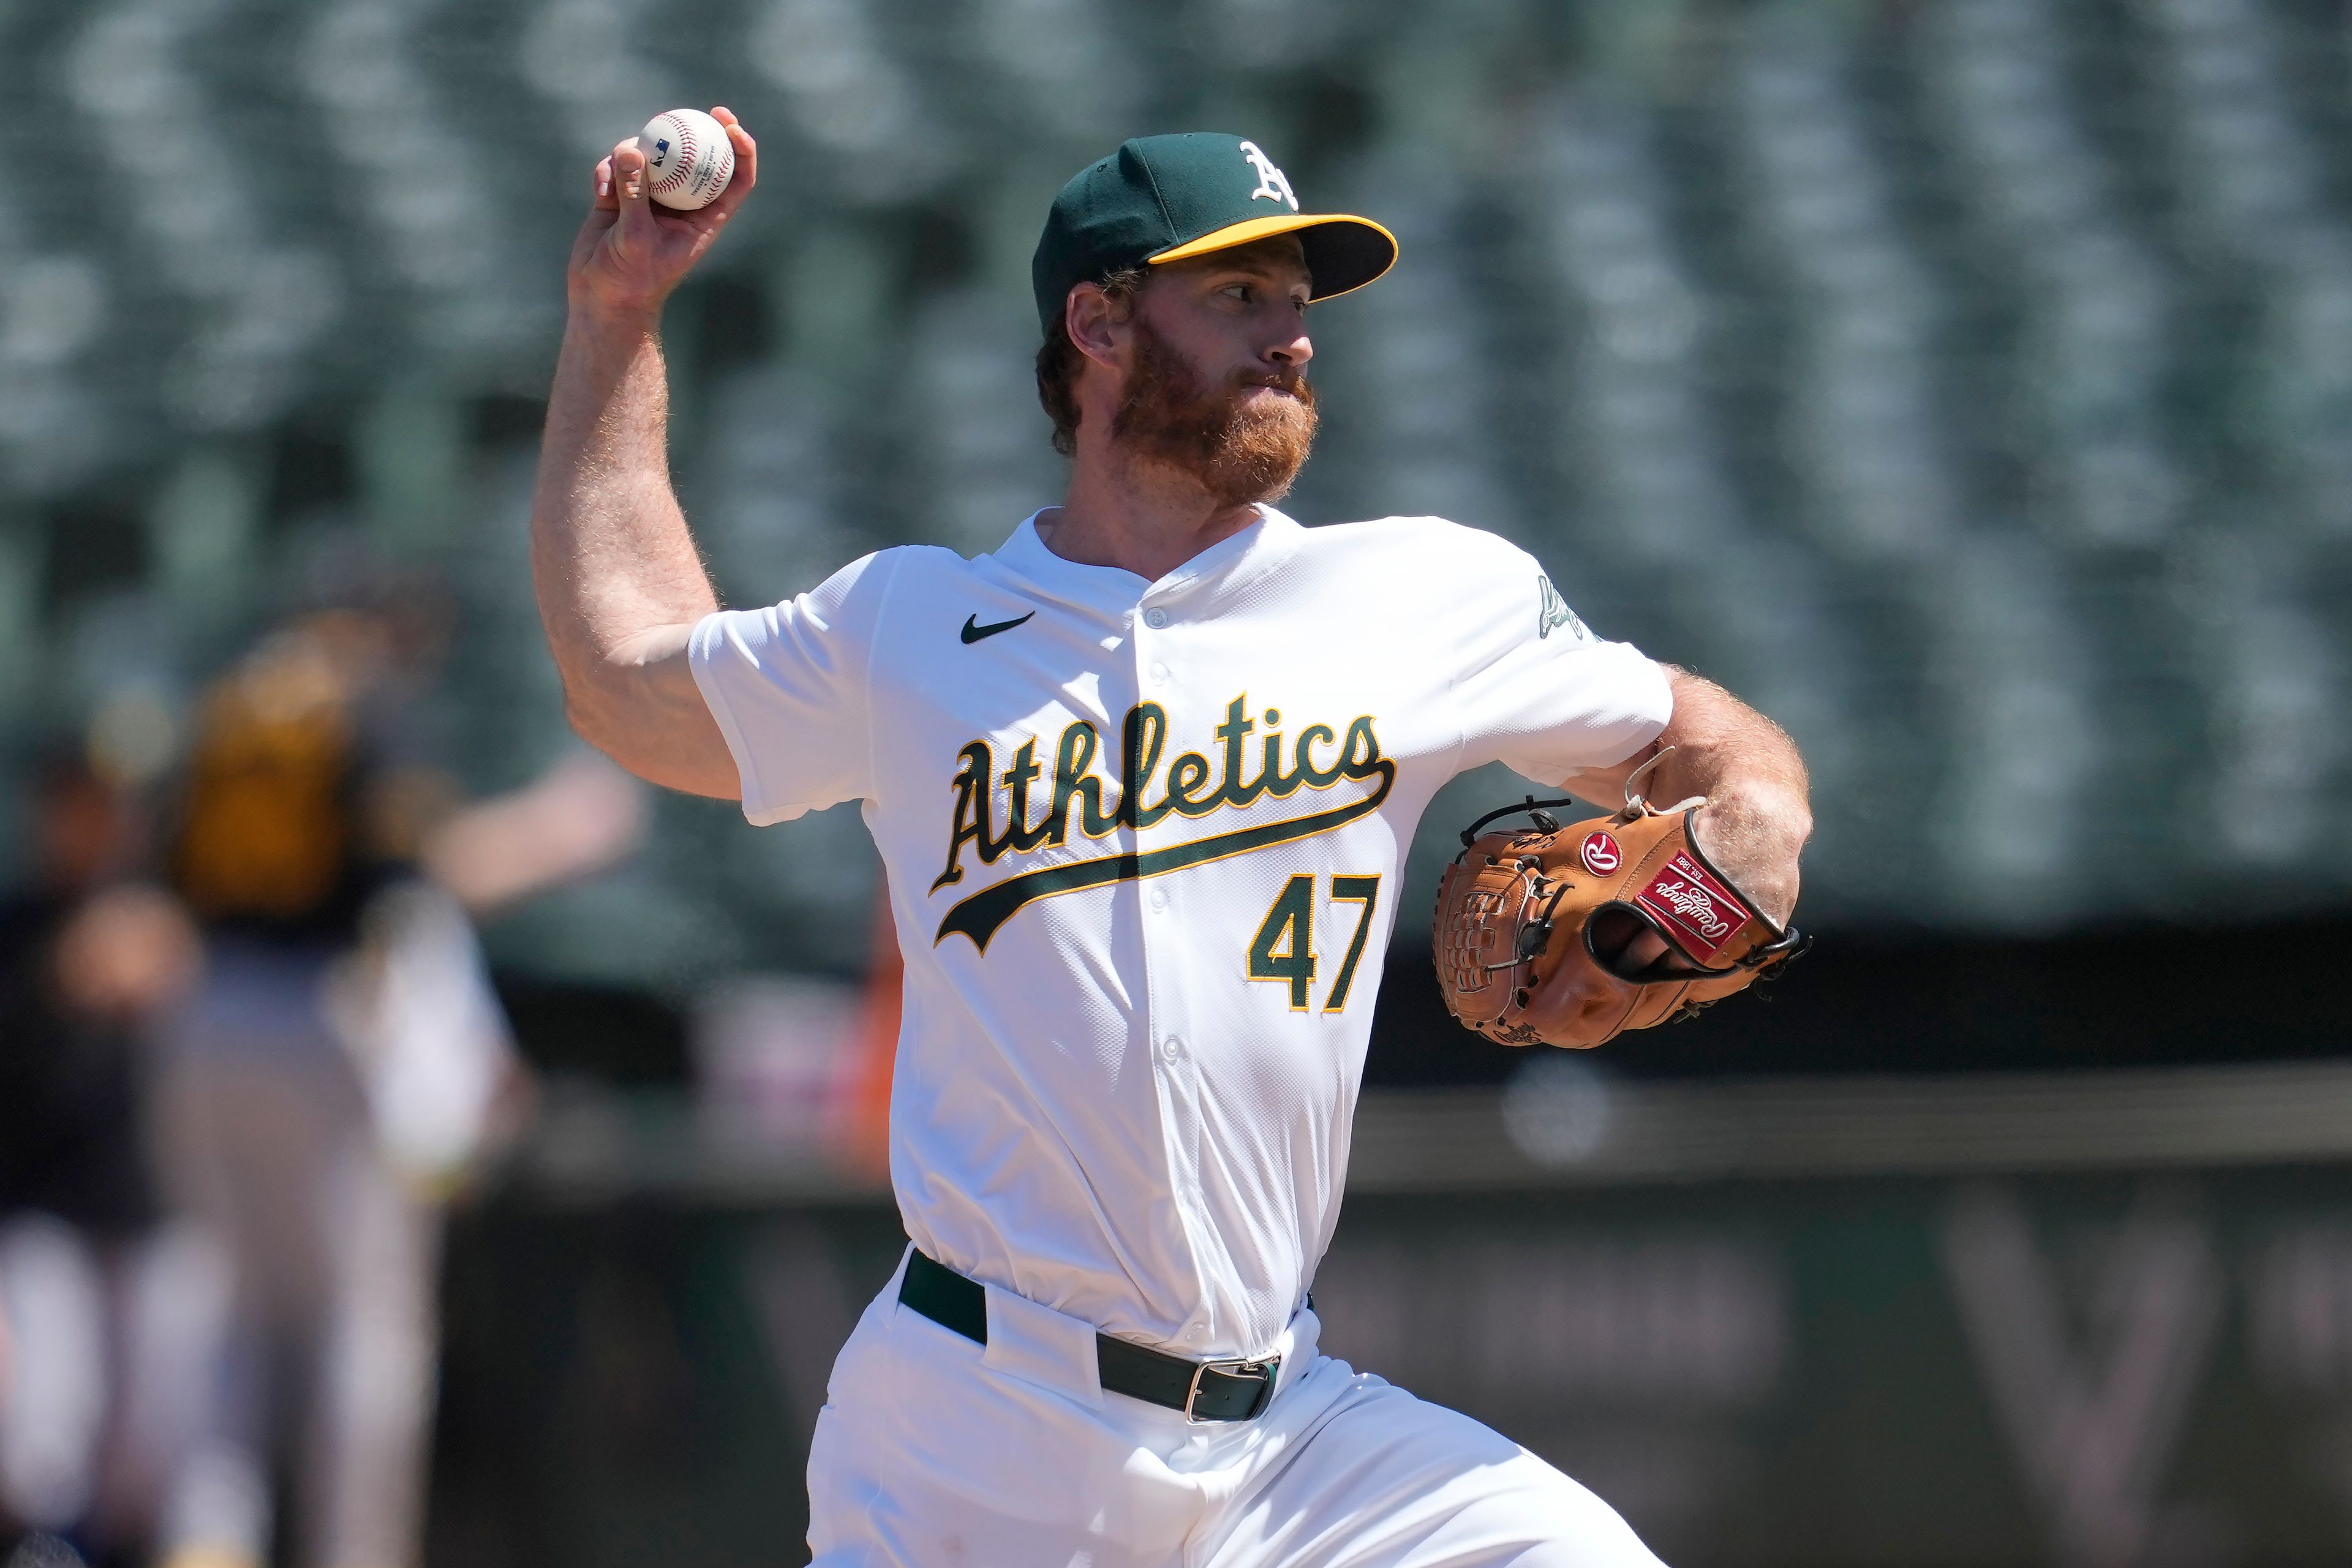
<point>1203,1390</point>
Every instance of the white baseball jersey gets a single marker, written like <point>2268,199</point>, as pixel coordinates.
<point>1143,842</point>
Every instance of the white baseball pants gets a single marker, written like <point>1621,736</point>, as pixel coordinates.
<point>934,1450</point>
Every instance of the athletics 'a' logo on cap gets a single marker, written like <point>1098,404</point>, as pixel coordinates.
<point>1272,185</point>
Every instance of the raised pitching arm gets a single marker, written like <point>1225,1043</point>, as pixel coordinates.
<point>620,584</point>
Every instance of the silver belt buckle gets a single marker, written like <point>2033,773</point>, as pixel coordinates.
<point>1265,1372</point>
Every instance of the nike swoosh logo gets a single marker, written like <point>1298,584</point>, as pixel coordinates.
<point>973,631</point>
<point>980,916</point>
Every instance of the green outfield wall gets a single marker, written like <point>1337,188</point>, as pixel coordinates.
<point>2094,1367</point>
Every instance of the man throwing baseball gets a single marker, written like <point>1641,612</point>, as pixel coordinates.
<point>1143,779</point>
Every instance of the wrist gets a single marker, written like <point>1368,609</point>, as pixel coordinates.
<point>612,319</point>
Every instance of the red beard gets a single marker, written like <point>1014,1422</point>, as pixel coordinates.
<point>1238,454</point>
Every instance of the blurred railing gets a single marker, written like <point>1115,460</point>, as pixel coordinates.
<point>1564,1125</point>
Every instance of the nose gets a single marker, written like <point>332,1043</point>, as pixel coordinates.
<point>1294,354</point>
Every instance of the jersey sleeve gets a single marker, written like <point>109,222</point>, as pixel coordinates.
<point>1537,691</point>
<point>788,684</point>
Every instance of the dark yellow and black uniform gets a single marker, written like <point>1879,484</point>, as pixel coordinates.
<point>303,797</point>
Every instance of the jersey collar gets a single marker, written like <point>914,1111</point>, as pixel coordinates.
<point>1214,574</point>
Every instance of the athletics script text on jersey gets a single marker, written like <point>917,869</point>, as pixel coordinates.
<point>1318,756</point>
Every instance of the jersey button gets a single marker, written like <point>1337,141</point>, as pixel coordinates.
<point>1196,1334</point>
<point>1155,618</point>
<point>1159,897</point>
<point>1159,674</point>
<point>1172,1048</point>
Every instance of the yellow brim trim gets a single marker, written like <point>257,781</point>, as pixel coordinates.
<point>1248,229</point>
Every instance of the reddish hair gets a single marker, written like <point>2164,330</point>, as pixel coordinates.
<point>1058,359</point>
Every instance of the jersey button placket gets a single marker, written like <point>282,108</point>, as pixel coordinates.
<point>1155,672</point>
<point>1177,1082</point>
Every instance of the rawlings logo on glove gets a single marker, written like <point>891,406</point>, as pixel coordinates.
<point>1533,926</point>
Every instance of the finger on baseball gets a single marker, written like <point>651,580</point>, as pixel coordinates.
<point>628,172</point>
<point>747,162</point>
<point>632,189</point>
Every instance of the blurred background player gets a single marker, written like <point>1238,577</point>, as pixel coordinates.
<point>92,1282</point>
<point>342,1064</point>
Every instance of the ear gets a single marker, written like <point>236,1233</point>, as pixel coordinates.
<point>1093,323</point>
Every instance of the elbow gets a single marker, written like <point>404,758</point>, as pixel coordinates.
<point>1774,799</point>
<point>1756,773</point>
<point>1782,822</point>
<point>583,721</point>
<point>588,710</point>
<point>1781,793</point>
<point>650,721</point>
<point>1798,783</point>
<point>1797,820</point>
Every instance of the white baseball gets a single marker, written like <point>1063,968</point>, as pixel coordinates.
<point>689,158</point>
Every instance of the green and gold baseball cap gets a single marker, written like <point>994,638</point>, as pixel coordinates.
<point>1164,198</point>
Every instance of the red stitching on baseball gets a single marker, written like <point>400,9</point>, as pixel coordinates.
<point>684,168</point>
<point>723,169</point>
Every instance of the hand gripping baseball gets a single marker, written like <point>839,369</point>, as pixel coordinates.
<point>1535,929</point>
<point>632,252</point>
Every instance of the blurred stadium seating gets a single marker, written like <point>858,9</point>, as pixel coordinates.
<point>1968,386</point>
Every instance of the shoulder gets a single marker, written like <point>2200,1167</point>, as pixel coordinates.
<point>915,560</point>
<point>860,586</point>
<point>1428,544</point>
<point>1485,591</point>
<point>883,570</point>
<point>1429,560</point>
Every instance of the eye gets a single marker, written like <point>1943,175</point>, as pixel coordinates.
<point>1238,290</point>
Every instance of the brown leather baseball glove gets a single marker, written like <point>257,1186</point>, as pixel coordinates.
<point>1533,926</point>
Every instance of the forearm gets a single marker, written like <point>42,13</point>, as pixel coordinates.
<point>611,555</point>
<point>616,572</point>
<point>1757,815</point>
<point>1759,812</point>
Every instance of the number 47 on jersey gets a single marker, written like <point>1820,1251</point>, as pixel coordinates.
<point>1283,948</point>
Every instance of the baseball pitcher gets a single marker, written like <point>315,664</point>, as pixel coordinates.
<point>1143,778</point>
